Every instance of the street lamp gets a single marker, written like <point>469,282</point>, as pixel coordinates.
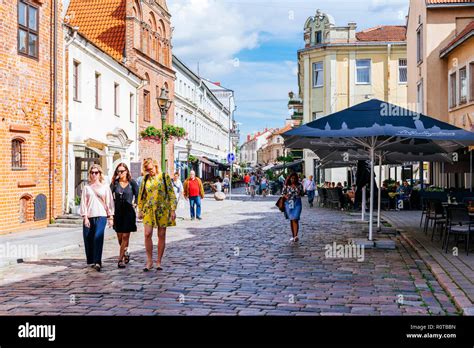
<point>189,147</point>
<point>164,103</point>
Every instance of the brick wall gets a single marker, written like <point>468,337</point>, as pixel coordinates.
<point>149,63</point>
<point>26,113</point>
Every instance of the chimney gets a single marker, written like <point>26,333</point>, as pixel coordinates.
<point>248,137</point>
<point>352,30</point>
<point>217,83</point>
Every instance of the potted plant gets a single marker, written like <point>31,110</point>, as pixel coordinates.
<point>77,203</point>
<point>151,134</point>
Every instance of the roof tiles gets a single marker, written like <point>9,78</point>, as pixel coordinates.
<point>101,22</point>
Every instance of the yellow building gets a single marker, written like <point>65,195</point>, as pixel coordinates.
<point>440,53</point>
<point>340,67</point>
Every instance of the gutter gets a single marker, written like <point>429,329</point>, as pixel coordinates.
<point>448,50</point>
<point>357,44</point>
<point>462,4</point>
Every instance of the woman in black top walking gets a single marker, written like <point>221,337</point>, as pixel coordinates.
<point>125,193</point>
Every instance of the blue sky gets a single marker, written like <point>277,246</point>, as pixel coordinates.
<point>251,46</point>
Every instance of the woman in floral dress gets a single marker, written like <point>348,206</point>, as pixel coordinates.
<point>293,191</point>
<point>157,205</point>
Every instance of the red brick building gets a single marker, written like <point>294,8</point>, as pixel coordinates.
<point>30,113</point>
<point>138,34</point>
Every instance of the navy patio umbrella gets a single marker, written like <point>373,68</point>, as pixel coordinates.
<point>378,126</point>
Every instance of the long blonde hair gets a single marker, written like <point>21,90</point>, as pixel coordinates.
<point>147,162</point>
<point>99,168</point>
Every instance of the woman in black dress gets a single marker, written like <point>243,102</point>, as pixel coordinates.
<point>125,193</point>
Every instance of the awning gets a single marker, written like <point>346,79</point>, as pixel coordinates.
<point>289,165</point>
<point>207,161</point>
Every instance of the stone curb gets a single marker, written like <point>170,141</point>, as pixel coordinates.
<point>460,299</point>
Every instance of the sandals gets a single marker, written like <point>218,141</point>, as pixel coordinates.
<point>159,268</point>
<point>121,264</point>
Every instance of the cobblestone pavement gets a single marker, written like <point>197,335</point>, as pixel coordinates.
<point>236,261</point>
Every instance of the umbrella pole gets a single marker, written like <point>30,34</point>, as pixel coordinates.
<point>470,171</point>
<point>364,201</point>
<point>379,201</point>
<point>372,178</point>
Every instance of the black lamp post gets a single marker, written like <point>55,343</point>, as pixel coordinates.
<point>164,103</point>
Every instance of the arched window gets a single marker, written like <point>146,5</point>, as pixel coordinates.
<point>137,30</point>
<point>26,213</point>
<point>17,153</point>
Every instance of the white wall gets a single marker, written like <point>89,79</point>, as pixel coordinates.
<point>88,122</point>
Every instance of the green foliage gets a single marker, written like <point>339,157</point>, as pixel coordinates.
<point>170,131</point>
<point>192,159</point>
<point>77,200</point>
<point>285,159</point>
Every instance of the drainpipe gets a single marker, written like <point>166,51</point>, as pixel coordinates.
<point>53,120</point>
<point>66,119</point>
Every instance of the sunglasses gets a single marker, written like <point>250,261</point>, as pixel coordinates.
<point>149,169</point>
<point>121,171</point>
<point>95,173</point>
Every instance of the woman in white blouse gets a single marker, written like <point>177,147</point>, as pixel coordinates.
<point>97,207</point>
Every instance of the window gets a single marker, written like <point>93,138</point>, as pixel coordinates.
<point>363,71</point>
<point>146,106</point>
<point>419,98</point>
<point>76,81</point>
<point>402,71</point>
<point>471,80</point>
<point>132,107</point>
<point>97,91</point>
<point>27,29</point>
<point>17,154</point>
<point>116,99</point>
<point>419,45</point>
<point>462,85</point>
<point>452,90</point>
<point>318,76</point>
<point>319,37</point>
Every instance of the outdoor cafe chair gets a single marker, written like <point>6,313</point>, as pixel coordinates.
<point>459,224</point>
<point>435,216</point>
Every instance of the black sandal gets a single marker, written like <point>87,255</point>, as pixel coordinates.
<point>159,268</point>
<point>146,269</point>
<point>121,264</point>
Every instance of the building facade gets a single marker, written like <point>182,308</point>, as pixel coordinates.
<point>275,147</point>
<point>340,67</point>
<point>31,109</point>
<point>206,120</point>
<point>432,26</point>
<point>249,149</point>
<point>137,34</point>
<point>101,121</point>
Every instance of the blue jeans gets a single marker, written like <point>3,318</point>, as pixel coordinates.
<point>310,196</point>
<point>195,202</point>
<point>94,239</point>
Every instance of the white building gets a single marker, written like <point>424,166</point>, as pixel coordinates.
<point>101,123</point>
<point>206,120</point>
<point>249,149</point>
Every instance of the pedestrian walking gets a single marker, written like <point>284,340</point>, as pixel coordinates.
<point>253,184</point>
<point>226,183</point>
<point>157,207</point>
<point>97,209</point>
<point>264,186</point>
<point>178,190</point>
<point>247,183</point>
<point>194,191</point>
<point>281,182</point>
<point>125,193</point>
<point>310,189</point>
<point>293,191</point>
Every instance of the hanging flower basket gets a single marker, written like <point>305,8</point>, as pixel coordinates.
<point>156,135</point>
<point>151,134</point>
